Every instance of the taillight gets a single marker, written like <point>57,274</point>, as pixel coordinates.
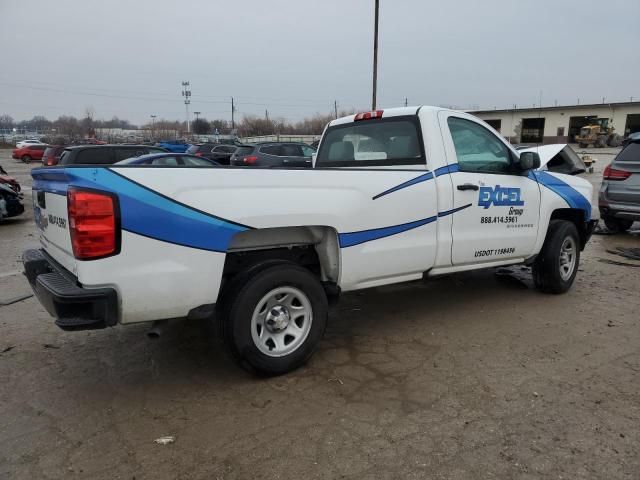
<point>250,160</point>
<point>614,174</point>
<point>368,115</point>
<point>93,224</point>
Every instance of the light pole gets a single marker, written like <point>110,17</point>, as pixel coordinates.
<point>186,93</point>
<point>153,127</point>
<point>375,56</point>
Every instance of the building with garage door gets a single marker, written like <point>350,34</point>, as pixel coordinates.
<point>560,124</point>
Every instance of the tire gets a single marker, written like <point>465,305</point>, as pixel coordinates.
<point>616,224</point>
<point>557,264</point>
<point>256,323</point>
<point>26,158</point>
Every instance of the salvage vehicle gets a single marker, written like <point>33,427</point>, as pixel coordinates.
<point>10,202</point>
<point>394,195</point>
<point>619,196</point>
<point>8,180</point>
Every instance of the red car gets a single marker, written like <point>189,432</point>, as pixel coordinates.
<point>9,181</point>
<point>29,152</point>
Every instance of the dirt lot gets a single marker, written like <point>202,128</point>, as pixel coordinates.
<point>466,377</point>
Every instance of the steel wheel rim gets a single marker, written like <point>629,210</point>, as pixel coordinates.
<point>281,321</point>
<point>567,258</point>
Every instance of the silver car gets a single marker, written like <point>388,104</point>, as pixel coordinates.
<point>619,198</point>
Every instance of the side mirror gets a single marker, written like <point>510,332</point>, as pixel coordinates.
<point>529,161</point>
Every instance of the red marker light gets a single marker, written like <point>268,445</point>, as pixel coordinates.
<point>368,115</point>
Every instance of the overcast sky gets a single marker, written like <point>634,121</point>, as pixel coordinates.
<point>294,57</point>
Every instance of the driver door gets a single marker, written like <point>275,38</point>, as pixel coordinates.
<point>499,206</point>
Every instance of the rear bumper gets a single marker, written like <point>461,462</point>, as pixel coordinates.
<point>74,307</point>
<point>621,211</point>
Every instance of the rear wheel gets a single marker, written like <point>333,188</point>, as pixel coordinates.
<point>617,224</point>
<point>556,267</point>
<point>272,321</point>
<point>26,158</point>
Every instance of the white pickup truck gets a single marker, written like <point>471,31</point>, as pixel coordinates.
<point>393,196</point>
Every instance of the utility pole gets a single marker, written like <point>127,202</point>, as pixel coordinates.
<point>266,115</point>
<point>335,108</point>
<point>406,102</point>
<point>375,56</point>
<point>233,111</point>
<point>196,114</point>
<point>153,126</point>
<point>186,93</point>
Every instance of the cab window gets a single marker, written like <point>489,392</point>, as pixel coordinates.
<point>477,149</point>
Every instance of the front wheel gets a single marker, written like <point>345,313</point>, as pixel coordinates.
<point>272,321</point>
<point>556,267</point>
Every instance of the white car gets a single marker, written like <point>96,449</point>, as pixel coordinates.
<point>29,142</point>
<point>393,196</point>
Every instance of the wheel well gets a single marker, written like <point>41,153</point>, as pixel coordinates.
<point>313,247</point>
<point>576,217</point>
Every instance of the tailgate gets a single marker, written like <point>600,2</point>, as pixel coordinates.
<point>51,216</point>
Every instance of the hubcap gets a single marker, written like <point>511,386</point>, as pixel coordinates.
<point>281,321</point>
<point>567,258</point>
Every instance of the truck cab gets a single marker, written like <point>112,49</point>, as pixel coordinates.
<point>394,195</point>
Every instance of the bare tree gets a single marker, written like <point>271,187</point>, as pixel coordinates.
<point>6,122</point>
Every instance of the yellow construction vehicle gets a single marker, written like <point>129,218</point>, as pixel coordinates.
<point>599,134</point>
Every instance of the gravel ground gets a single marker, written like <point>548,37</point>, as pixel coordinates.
<point>465,377</point>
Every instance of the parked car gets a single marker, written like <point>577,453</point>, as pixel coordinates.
<point>397,195</point>
<point>104,154</point>
<point>175,146</point>
<point>170,160</point>
<point>10,202</point>
<point>7,180</point>
<point>273,154</point>
<point>215,151</point>
<point>23,143</point>
<point>51,155</point>
<point>619,196</point>
<point>29,152</point>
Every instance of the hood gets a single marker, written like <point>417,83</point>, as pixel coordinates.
<point>12,182</point>
<point>558,158</point>
<point>546,152</point>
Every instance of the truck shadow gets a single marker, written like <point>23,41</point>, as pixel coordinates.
<point>188,352</point>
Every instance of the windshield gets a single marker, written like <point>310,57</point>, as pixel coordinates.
<point>377,142</point>
<point>630,153</point>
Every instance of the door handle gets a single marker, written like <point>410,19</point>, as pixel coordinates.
<point>468,186</point>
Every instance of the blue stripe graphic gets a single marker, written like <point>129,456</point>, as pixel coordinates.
<point>574,198</point>
<point>408,183</point>
<point>356,238</point>
<point>149,213</point>
<point>447,169</point>
<point>422,178</point>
